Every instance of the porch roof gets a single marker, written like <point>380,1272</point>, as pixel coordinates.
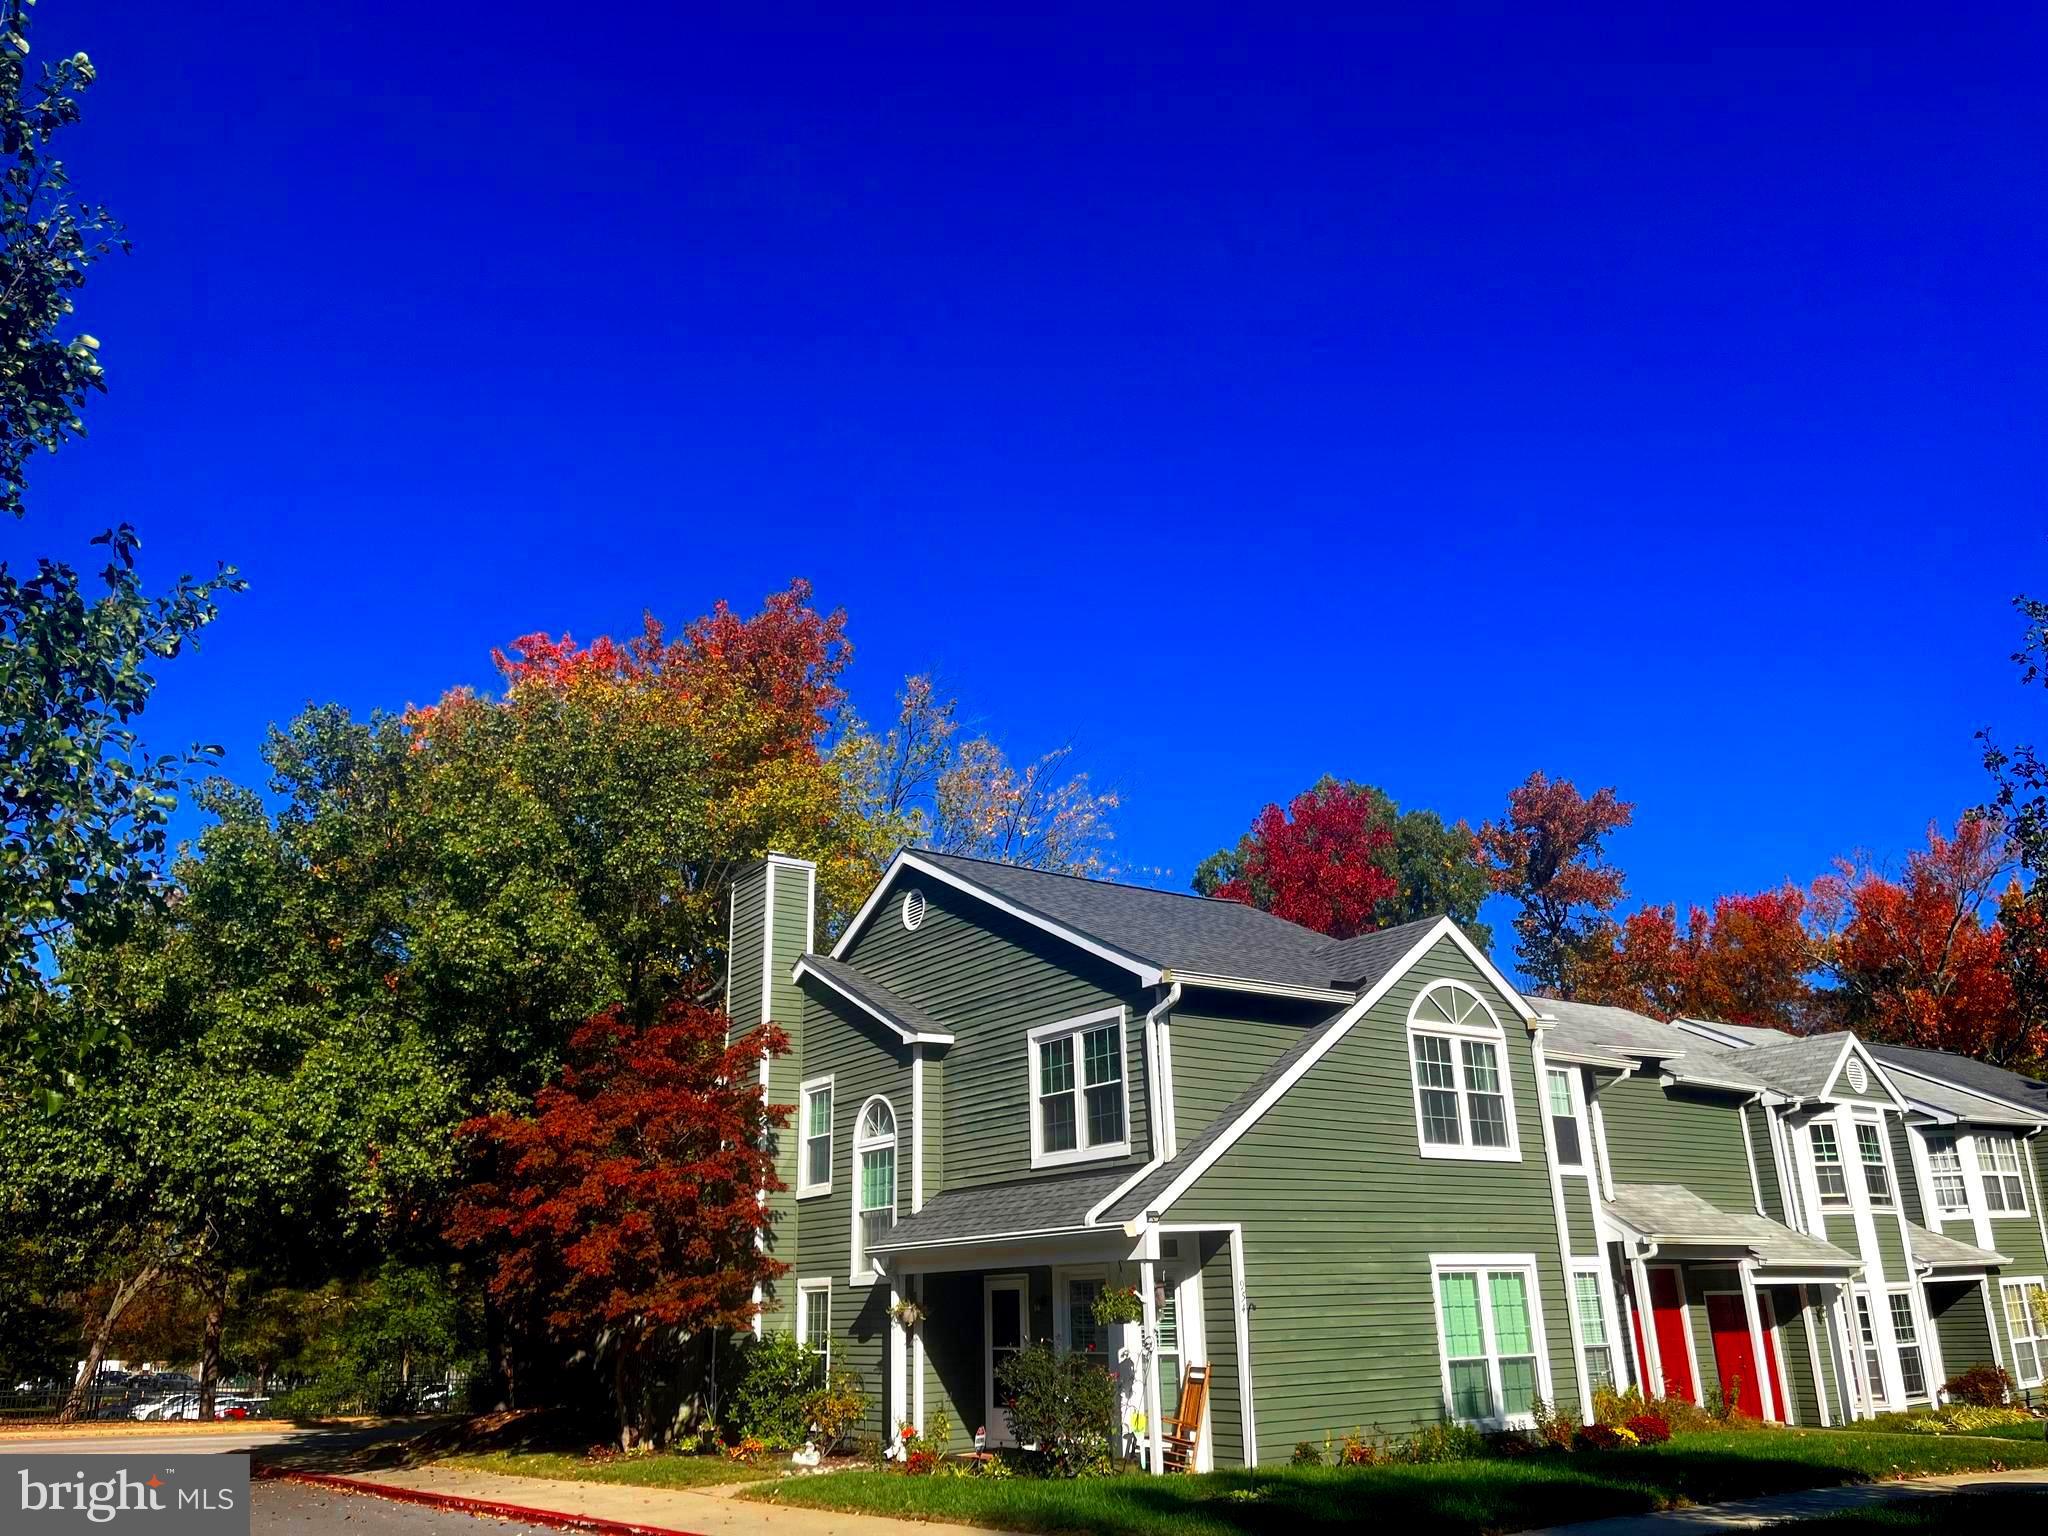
<point>908,1020</point>
<point>1939,1252</point>
<point>993,1212</point>
<point>1947,1104</point>
<point>1672,1216</point>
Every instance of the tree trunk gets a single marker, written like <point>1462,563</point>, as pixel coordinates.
<point>209,1347</point>
<point>89,1370</point>
<point>622,1395</point>
<point>263,1379</point>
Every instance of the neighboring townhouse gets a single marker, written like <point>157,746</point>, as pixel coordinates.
<point>1365,1183</point>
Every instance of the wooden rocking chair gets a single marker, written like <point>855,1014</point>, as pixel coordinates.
<point>1184,1426</point>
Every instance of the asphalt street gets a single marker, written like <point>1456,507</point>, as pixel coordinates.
<point>304,1511</point>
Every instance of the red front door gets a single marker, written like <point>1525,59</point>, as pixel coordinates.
<point>1667,1312</point>
<point>1733,1356</point>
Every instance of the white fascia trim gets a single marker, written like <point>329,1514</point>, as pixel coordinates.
<point>1332,1033</point>
<point>1147,974</point>
<point>1267,988</point>
<point>804,968</point>
<point>1564,1054</point>
<point>885,1250</point>
<point>1871,1064</point>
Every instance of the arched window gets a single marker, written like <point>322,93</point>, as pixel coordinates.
<point>1464,1100</point>
<point>874,1156</point>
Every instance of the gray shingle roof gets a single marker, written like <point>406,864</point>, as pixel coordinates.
<point>1746,1034</point>
<point>1964,1072</point>
<point>1932,1248</point>
<point>1154,1184</point>
<point>1799,1067</point>
<point>1597,1030</point>
<point>1180,932</point>
<point>907,1015</point>
<point>1673,1216</point>
<point>1974,1109</point>
<point>990,1212</point>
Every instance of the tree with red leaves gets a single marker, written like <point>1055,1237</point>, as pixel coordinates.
<point>1921,960</point>
<point>1548,854</point>
<point>1747,961</point>
<point>625,1211</point>
<point>1321,862</point>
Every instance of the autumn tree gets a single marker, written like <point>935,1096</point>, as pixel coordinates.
<point>923,784</point>
<point>1549,854</point>
<point>625,1209</point>
<point>2020,805</point>
<point>1745,960</point>
<point>1920,959</point>
<point>1344,858</point>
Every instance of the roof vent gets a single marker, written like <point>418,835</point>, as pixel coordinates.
<point>1858,1078</point>
<point>913,909</point>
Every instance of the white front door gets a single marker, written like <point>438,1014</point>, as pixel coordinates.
<point>1004,1303</point>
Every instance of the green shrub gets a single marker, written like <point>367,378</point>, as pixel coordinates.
<point>1306,1454</point>
<point>1064,1404</point>
<point>778,1381</point>
<point>1439,1442</point>
<point>837,1408</point>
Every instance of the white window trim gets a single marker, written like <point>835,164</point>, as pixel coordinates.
<point>1878,1127</point>
<point>805,1288</point>
<point>1921,1331</point>
<point>1525,1265</point>
<point>1083,1151</point>
<point>1617,1364</point>
<point>1987,1171</point>
<point>805,1089</point>
<point>2039,1335</point>
<point>1962,1174</point>
<point>1823,1201</point>
<point>1463,1150</point>
<point>1573,1077</point>
<point>894,1140</point>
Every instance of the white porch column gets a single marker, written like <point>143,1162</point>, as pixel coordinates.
<point>1646,1321</point>
<point>917,1360</point>
<point>895,1406</point>
<point>1766,1386</point>
<point>1149,1362</point>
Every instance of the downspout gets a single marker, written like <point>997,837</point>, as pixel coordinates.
<point>1158,1094</point>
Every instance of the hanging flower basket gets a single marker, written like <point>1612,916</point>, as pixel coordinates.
<point>909,1313</point>
<point>1117,1304</point>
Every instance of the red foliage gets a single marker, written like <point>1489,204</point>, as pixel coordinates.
<point>1745,962</point>
<point>1650,1428</point>
<point>1547,853</point>
<point>1917,962</point>
<point>1595,1437</point>
<point>1320,863</point>
<point>629,1198</point>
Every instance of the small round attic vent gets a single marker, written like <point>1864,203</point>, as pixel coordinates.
<point>1858,1078</point>
<point>913,909</point>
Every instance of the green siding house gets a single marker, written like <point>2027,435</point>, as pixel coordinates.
<point>1363,1182</point>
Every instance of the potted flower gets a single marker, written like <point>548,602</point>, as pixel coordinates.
<point>908,1312</point>
<point>1116,1304</point>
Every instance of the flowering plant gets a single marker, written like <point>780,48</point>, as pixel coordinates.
<point>1117,1304</point>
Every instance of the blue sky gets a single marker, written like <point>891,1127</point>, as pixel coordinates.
<point>1655,401</point>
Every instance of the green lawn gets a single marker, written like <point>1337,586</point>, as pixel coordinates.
<point>638,1471</point>
<point>1471,1496</point>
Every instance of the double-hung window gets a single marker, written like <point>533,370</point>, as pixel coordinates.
<point>1593,1330</point>
<point>1873,1357</point>
<point>814,1175</point>
<point>814,1317</point>
<point>1564,1118</point>
<point>1463,1104</point>
<point>1080,1102</point>
<point>1877,1181</point>
<point>1491,1337</point>
<point>2024,1300</point>
<point>874,1159</point>
<point>1945,1169</point>
<point>1998,1161</point>
<point>1827,1164</point>
<point>1906,1334</point>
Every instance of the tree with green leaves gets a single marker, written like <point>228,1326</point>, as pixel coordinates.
<point>85,804</point>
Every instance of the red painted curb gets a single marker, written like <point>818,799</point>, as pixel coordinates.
<point>470,1506</point>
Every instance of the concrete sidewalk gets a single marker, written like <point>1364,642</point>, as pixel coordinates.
<point>1755,1514</point>
<point>712,1511</point>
